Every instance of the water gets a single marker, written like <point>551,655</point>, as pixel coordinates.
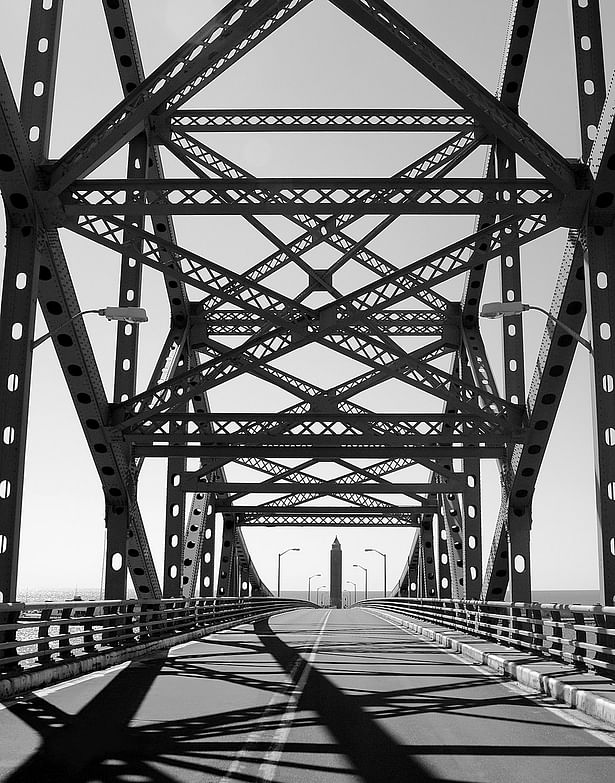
<point>31,596</point>
<point>566,596</point>
<point>93,594</point>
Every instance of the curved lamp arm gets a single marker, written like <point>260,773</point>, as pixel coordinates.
<point>131,315</point>
<point>503,309</point>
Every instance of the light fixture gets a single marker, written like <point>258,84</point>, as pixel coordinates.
<point>504,309</point>
<point>131,315</point>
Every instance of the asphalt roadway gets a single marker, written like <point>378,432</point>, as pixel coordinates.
<point>313,695</point>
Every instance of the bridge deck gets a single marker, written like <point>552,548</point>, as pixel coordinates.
<point>307,696</point>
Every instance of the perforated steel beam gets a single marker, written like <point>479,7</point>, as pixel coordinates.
<point>98,198</point>
<point>302,121</point>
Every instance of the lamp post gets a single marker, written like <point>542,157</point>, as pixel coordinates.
<point>503,309</point>
<point>310,584</point>
<point>385,567</point>
<point>356,565</point>
<point>354,584</point>
<point>318,589</point>
<point>280,554</point>
<point>131,315</point>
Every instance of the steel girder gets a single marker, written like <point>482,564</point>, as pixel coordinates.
<point>97,198</point>
<point>240,120</point>
<point>171,417</point>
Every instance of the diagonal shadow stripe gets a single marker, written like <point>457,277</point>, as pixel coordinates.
<point>373,753</point>
<point>98,731</point>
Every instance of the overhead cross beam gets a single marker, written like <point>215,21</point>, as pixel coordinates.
<point>289,121</point>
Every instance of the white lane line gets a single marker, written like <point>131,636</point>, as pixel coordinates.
<point>266,771</point>
<point>594,727</point>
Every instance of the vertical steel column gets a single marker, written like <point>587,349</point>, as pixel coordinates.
<point>428,556</point>
<point>20,282</point>
<point>17,318</point>
<point>174,526</point>
<point>236,575</point>
<point>519,518</point>
<point>510,272</point>
<point>599,278</point>
<point>244,580</point>
<point>451,510</point>
<point>413,573</point>
<point>472,530</point>
<point>127,341</point>
<point>125,380</point>
<point>200,527</point>
<point>39,76</point>
<point>472,517</point>
<point>199,547</point>
<point>206,582</point>
<point>117,534</point>
<point>444,569</point>
<point>519,526</point>
<point>591,82</point>
<point>225,573</point>
<point>421,586</point>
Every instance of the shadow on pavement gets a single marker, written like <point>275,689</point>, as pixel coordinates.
<point>374,754</point>
<point>119,737</point>
<point>71,742</point>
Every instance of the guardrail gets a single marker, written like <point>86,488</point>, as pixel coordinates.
<point>37,636</point>
<point>580,635</point>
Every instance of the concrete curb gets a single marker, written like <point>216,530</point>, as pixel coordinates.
<point>26,681</point>
<point>578,698</point>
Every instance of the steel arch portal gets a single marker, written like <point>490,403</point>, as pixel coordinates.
<point>208,302</point>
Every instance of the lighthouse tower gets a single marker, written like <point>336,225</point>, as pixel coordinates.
<point>336,575</point>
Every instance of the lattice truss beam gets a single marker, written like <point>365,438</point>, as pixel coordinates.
<point>329,457</point>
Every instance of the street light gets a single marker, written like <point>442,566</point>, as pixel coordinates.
<point>503,309</point>
<point>310,584</point>
<point>354,584</point>
<point>131,315</point>
<point>318,589</point>
<point>385,567</point>
<point>356,565</point>
<point>294,549</point>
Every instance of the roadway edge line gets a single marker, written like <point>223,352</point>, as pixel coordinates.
<point>575,697</point>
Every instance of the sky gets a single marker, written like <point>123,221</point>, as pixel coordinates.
<point>318,59</point>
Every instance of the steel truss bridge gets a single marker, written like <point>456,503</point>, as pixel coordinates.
<point>470,419</point>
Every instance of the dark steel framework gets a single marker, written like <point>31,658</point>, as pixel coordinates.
<point>172,418</point>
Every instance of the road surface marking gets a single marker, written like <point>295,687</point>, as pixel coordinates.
<point>266,771</point>
<point>596,728</point>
